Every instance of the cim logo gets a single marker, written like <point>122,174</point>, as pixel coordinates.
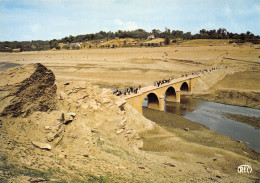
<point>244,169</point>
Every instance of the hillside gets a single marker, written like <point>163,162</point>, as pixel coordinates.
<point>138,37</point>
<point>157,42</point>
<point>206,42</point>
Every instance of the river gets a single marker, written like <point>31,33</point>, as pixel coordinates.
<point>214,116</point>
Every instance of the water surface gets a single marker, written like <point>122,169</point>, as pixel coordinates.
<point>213,116</point>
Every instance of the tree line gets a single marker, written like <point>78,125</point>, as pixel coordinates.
<point>141,34</point>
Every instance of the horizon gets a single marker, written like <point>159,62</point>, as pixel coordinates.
<point>150,32</point>
<point>28,20</point>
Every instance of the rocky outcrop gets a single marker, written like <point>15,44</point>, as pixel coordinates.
<point>67,124</point>
<point>36,92</point>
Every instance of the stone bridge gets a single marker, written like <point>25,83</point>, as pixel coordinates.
<point>156,96</point>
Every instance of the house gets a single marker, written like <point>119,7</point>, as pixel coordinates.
<point>150,37</point>
<point>75,45</point>
<point>17,50</point>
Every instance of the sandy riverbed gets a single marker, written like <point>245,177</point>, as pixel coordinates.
<point>126,66</point>
<point>123,67</point>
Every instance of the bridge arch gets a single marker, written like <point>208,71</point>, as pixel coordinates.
<point>184,87</point>
<point>152,101</point>
<point>170,94</point>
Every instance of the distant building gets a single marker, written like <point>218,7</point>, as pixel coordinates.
<point>150,37</point>
<point>17,50</point>
<point>75,45</point>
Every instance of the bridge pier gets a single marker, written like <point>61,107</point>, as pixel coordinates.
<point>178,96</point>
<point>161,103</point>
<point>191,85</point>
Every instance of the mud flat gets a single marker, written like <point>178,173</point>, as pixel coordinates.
<point>186,136</point>
<point>240,88</point>
<point>178,124</point>
<point>252,121</point>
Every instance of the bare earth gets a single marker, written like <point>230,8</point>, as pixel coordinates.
<point>124,67</point>
<point>98,142</point>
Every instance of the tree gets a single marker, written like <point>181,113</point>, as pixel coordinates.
<point>54,44</point>
<point>166,40</point>
<point>213,34</point>
<point>66,46</point>
<point>139,33</point>
<point>156,33</point>
<point>187,35</point>
<point>221,33</point>
<point>176,34</point>
<point>203,34</point>
<point>242,37</point>
<point>71,39</point>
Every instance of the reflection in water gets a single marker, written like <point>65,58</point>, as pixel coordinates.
<point>186,105</point>
<point>145,102</point>
<point>211,114</point>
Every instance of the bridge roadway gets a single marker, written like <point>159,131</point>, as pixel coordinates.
<point>157,95</point>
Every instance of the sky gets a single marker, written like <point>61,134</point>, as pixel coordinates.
<point>26,20</point>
